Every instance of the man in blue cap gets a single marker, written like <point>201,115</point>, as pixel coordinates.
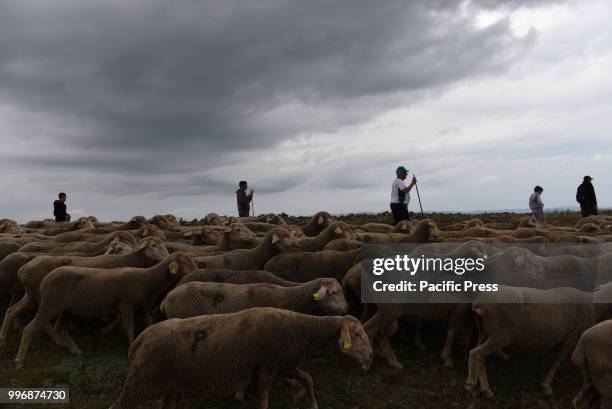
<point>400,195</point>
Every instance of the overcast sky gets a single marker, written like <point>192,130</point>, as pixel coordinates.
<point>149,106</point>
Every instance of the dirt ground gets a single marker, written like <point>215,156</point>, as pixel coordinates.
<point>95,378</point>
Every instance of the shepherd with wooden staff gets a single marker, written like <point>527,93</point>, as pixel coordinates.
<point>400,195</point>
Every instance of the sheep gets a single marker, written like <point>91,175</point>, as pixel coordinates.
<point>164,222</point>
<point>85,248</point>
<point>40,224</point>
<point>275,242</point>
<point>8,247</point>
<point>134,223</point>
<point>532,319</point>
<point>10,226</point>
<point>336,230</point>
<point>235,236</point>
<point>322,296</point>
<point>343,245</point>
<point>384,323</point>
<point>95,291</point>
<point>425,231</point>
<point>203,236</point>
<point>148,252</point>
<point>149,230</point>
<point>594,355</point>
<point>221,354</point>
<point>8,272</point>
<point>235,277</point>
<point>81,223</point>
<point>212,219</point>
<point>318,223</point>
<point>302,266</point>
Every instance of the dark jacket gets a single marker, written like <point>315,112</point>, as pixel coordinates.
<point>59,211</point>
<point>243,202</point>
<point>585,195</point>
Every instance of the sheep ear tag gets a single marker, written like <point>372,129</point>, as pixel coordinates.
<point>173,269</point>
<point>316,296</point>
<point>346,345</point>
<point>519,260</point>
<point>338,230</point>
<point>320,221</point>
<point>275,239</point>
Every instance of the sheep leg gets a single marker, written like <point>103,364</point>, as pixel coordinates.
<point>566,347</point>
<point>170,401</point>
<point>388,352</point>
<point>64,337</point>
<point>107,329</point>
<point>445,355</point>
<point>263,388</point>
<point>26,339</point>
<point>418,341</point>
<point>127,319</point>
<point>138,388</point>
<point>22,305</point>
<point>477,369</point>
<point>306,380</point>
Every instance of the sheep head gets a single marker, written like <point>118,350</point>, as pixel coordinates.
<point>153,248</point>
<point>118,247</point>
<point>329,298</point>
<point>151,230</point>
<point>341,231</point>
<point>282,240</point>
<point>405,226</point>
<point>212,219</point>
<point>274,219</point>
<point>205,235</point>
<point>180,264</point>
<point>136,222</point>
<point>239,234</point>
<point>355,343</point>
<point>123,236</point>
<point>82,223</point>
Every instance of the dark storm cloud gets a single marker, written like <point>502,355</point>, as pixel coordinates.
<point>151,87</point>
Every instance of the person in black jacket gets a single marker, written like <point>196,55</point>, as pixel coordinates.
<point>585,195</point>
<point>243,199</point>
<point>59,209</point>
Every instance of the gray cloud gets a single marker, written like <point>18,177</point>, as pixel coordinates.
<point>153,97</point>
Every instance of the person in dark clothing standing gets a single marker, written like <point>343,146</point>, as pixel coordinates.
<point>586,197</point>
<point>400,195</point>
<point>244,200</point>
<point>59,209</point>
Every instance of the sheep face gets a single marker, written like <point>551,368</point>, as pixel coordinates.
<point>212,219</point>
<point>240,234</point>
<point>125,237</point>
<point>93,219</point>
<point>205,235</point>
<point>404,226</point>
<point>296,231</point>
<point>136,222</point>
<point>153,248</point>
<point>10,226</point>
<point>274,219</point>
<point>118,247</point>
<point>589,228</point>
<point>151,230</point>
<point>162,222</point>
<point>355,343</point>
<point>229,221</point>
<point>330,299</point>
<point>83,223</point>
<point>172,219</point>
<point>180,264</point>
<point>283,240</point>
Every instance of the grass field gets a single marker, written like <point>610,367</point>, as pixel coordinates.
<point>95,378</point>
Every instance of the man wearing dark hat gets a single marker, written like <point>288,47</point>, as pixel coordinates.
<point>243,199</point>
<point>400,195</point>
<point>586,197</point>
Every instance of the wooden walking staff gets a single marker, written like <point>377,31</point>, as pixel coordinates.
<point>416,185</point>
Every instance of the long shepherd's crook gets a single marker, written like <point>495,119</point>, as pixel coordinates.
<point>419,197</point>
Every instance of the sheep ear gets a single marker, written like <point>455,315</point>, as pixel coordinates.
<point>275,239</point>
<point>338,230</point>
<point>519,260</point>
<point>188,234</point>
<point>109,250</point>
<point>173,267</point>
<point>345,338</point>
<point>319,295</point>
<point>320,221</point>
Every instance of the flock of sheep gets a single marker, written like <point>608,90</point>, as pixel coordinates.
<point>233,303</point>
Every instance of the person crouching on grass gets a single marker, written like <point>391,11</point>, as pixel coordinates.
<point>400,195</point>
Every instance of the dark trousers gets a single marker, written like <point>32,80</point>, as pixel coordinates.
<point>400,212</point>
<point>588,210</point>
<point>244,212</point>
